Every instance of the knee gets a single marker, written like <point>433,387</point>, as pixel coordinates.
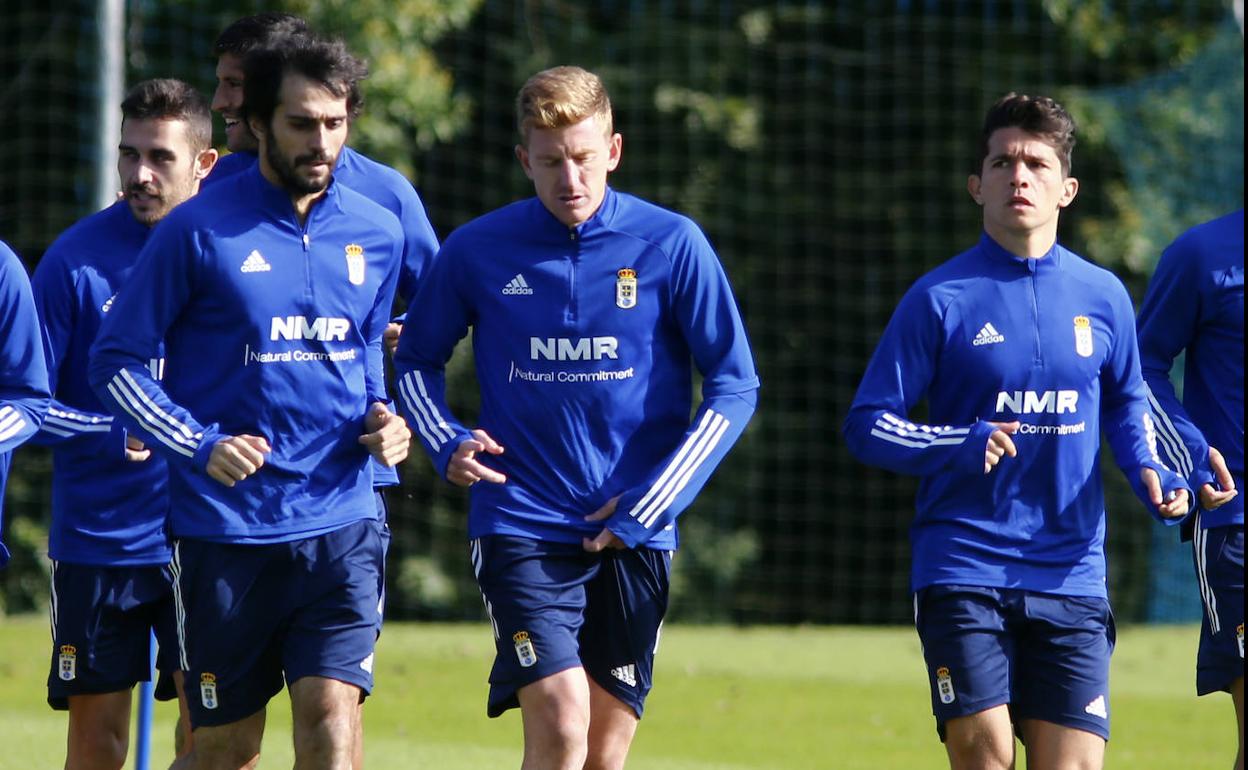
<point>561,728</point>
<point>979,750</point>
<point>102,748</point>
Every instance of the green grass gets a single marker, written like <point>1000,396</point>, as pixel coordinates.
<point>726,699</point>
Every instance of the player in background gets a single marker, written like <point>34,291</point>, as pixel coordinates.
<point>1195,303</point>
<point>270,291</point>
<point>23,375</point>
<point>111,581</point>
<point>1025,353</point>
<point>589,309</point>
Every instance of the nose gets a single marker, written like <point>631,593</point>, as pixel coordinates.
<point>568,173</point>
<point>318,140</point>
<point>1021,177</point>
<point>142,174</point>
<point>220,101</point>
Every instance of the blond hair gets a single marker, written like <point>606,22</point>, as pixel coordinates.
<point>562,96</point>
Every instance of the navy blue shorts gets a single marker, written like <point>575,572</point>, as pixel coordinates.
<point>555,606</point>
<point>383,517</point>
<point>1044,655</point>
<point>1219,556</point>
<point>255,616</point>
<point>102,624</point>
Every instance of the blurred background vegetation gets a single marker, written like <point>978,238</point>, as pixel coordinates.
<point>823,146</point>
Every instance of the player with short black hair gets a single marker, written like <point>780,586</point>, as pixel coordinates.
<point>111,583</point>
<point>1025,354</point>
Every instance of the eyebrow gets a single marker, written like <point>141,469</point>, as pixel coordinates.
<point>1016,156</point>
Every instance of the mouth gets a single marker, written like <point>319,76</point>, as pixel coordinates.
<point>317,166</point>
<point>142,196</point>
<point>1019,203</point>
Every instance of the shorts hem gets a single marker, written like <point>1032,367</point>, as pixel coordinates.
<point>978,708</point>
<point>60,700</point>
<point>505,696</point>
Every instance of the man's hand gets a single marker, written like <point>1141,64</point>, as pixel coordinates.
<point>234,458</point>
<point>606,538</point>
<point>1000,444</point>
<point>388,437</point>
<point>390,337</point>
<point>463,470</point>
<point>1211,497</point>
<point>135,451</point>
<point>1171,506</point>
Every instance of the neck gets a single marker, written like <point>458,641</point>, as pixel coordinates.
<point>1028,244</point>
<point>302,202</point>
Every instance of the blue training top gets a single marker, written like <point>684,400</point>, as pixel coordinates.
<point>23,375</point>
<point>989,336</point>
<point>105,510</point>
<point>271,328</point>
<point>1195,302</point>
<point>388,188</point>
<point>585,340</point>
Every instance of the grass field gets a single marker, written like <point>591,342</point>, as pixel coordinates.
<point>725,699</point>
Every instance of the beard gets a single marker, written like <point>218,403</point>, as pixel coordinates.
<point>157,204</point>
<point>287,169</point>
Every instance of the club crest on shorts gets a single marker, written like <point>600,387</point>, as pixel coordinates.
<point>208,690</point>
<point>524,648</point>
<point>944,686</point>
<point>1083,336</point>
<point>67,662</point>
<point>355,263</point>
<point>626,288</point>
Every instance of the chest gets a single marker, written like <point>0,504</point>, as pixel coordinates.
<point>280,277</point>
<point>1049,328</point>
<point>620,291</point>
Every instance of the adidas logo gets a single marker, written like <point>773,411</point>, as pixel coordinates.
<point>255,263</point>
<point>626,674</point>
<point>1097,707</point>
<point>988,336</point>
<point>517,285</point>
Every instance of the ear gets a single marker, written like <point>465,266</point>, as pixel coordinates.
<point>256,127</point>
<point>615,146</point>
<point>522,155</point>
<point>973,184</point>
<point>204,162</point>
<point>1070,188</point>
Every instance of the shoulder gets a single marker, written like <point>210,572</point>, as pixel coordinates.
<point>14,283</point>
<point>515,221</point>
<point>357,169</point>
<point>1216,240</point>
<point>9,261</point>
<point>667,229</point>
<point>367,212</point>
<point>227,167</point>
<point>93,237</point>
<point>947,282</point>
<point>1095,278</point>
